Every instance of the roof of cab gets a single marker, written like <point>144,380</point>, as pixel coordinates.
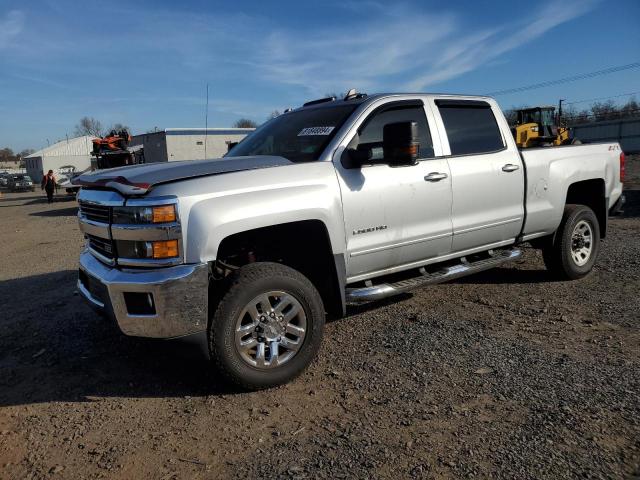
<point>369,98</point>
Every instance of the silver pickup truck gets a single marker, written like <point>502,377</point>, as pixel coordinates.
<point>336,202</point>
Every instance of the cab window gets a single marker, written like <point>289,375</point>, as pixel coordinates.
<point>471,127</point>
<point>369,136</point>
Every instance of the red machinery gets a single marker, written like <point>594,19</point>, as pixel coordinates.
<point>112,150</point>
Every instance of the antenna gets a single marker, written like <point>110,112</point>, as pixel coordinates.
<point>206,123</point>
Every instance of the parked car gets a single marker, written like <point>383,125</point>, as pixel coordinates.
<point>4,179</point>
<point>20,182</point>
<point>64,179</point>
<point>336,202</point>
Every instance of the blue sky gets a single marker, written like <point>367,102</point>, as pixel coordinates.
<point>146,64</point>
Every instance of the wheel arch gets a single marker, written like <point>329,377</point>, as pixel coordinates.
<point>304,245</point>
<point>590,193</point>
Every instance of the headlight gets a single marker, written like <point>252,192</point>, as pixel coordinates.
<point>133,215</point>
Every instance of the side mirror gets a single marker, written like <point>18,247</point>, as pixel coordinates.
<point>400,143</point>
<point>353,158</point>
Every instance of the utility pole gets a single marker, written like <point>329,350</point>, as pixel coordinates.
<point>560,109</point>
<point>206,123</point>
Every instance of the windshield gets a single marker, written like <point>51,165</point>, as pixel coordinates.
<point>547,117</point>
<point>297,136</point>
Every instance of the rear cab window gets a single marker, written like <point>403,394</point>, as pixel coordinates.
<point>471,127</point>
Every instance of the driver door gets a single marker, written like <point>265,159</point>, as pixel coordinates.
<point>394,216</point>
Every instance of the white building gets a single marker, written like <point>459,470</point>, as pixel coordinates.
<point>174,144</point>
<point>75,152</point>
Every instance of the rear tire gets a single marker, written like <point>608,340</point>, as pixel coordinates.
<point>573,250</point>
<point>267,327</point>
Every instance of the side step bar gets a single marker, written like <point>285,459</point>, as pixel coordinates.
<point>384,290</point>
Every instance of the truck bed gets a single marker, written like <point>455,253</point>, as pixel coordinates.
<point>551,170</point>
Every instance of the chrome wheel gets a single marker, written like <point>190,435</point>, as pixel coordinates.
<point>270,329</point>
<point>581,243</point>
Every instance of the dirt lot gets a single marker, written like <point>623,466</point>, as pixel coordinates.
<point>505,374</point>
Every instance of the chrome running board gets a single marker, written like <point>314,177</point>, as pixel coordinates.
<point>376,292</point>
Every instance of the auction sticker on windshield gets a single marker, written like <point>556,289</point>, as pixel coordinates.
<point>315,131</point>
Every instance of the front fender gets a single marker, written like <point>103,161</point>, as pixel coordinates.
<point>214,208</point>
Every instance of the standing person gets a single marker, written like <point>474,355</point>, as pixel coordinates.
<point>49,185</point>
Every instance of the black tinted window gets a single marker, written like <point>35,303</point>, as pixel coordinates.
<point>471,129</point>
<point>370,137</point>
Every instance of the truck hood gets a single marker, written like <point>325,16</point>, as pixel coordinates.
<point>139,179</point>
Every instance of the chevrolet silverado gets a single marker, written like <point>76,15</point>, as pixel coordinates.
<point>339,201</point>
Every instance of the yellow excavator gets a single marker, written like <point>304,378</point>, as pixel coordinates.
<point>540,126</point>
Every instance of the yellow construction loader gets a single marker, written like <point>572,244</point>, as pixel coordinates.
<point>540,126</point>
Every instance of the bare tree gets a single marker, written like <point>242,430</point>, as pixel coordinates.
<point>89,126</point>
<point>118,127</point>
<point>26,152</point>
<point>605,110</point>
<point>245,123</point>
<point>630,109</point>
<point>572,116</point>
<point>7,155</point>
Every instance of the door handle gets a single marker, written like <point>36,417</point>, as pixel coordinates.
<point>435,177</point>
<point>510,167</point>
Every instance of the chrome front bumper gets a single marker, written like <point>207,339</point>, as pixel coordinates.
<point>174,299</point>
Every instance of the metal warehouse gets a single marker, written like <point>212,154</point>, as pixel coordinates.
<point>626,131</point>
<point>174,144</point>
<point>74,152</point>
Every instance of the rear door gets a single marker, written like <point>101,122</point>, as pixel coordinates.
<point>486,171</point>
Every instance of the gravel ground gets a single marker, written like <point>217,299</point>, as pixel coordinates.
<point>504,374</point>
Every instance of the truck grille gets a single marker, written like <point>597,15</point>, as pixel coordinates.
<point>96,213</point>
<point>101,245</point>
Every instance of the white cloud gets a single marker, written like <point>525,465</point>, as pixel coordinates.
<point>474,51</point>
<point>399,48</point>
<point>361,56</point>
<point>11,26</point>
<point>168,52</point>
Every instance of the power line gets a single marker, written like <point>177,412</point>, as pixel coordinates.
<point>602,98</point>
<point>573,78</point>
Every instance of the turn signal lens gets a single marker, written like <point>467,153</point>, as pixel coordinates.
<point>164,214</point>
<point>165,249</point>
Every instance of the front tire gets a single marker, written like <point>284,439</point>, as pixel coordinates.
<point>267,327</point>
<point>574,249</point>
